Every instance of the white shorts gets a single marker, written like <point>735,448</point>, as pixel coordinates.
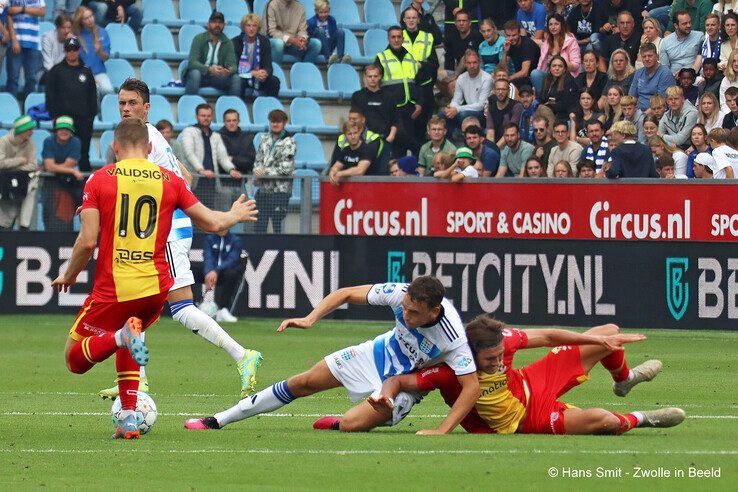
<point>178,257</point>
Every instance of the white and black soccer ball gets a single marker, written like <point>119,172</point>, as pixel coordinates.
<point>146,412</point>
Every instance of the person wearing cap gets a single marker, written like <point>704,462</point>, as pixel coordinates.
<point>677,123</point>
<point>212,60</point>
<point>17,160</point>
<point>107,11</point>
<point>464,165</point>
<point>353,159</point>
<point>630,159</point>
<point>514,154</point>
<point>404,166</point>
<point>286,26</point>
<point>704,164</point>
<point>71,91</point>
<point>61,196</point>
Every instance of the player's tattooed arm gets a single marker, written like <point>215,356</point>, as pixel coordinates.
<point>352,295</point>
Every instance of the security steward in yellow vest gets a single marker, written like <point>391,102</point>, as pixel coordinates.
<point>373,140</point>
<point>399,69</point>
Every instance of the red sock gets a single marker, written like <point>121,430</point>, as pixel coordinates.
<point>91,350</point>
<point>615,363</point>
<point>627,422</point>
<point>128,377</point>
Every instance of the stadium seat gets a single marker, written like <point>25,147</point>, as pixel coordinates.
<point>375,41</point>
<point>9,109</point>
<point>158,12</point>
<point>306,114</point>
<point>232,102</point>
<point>257,139</point>
<point>157,39</point>
<point>298,176</point>
<point>309,7</point>
<point>380,13</point>
<point>123,43</point>
<point>32,99</point>
<point>344,79</point>
<point>110,115</point>
<point>347,15</point>
<point>3,132</point>
<point>260,8</point>
<point>185,37</point>
<point>186,111</point>
<point>119,70</point>
<point>284,90</point>
<point>44,27</point>
<point>106,140</point>
<point>94,155</point>
<point>195,11</point>
<point>306,79</point>
<point>38,138</point>
<point>309,152</point>
<point>157,74</point>
<point>262,106</point>
<point>352,48</point>
<point>162,110</point>
<point>232,31</point>
<point>232,10</point>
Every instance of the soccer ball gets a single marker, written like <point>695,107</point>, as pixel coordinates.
<point>209,308</point>
<point>145,412</point>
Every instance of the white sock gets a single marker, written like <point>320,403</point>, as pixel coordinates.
<point>265,401</point>
<point>639,417</point>
<point>205,326</point>
<point>126,413</point>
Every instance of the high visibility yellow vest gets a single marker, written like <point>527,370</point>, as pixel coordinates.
<point>421,48</point>
<point>398,72</point>
<point>369,136</point>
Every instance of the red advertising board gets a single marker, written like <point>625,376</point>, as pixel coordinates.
<point>665,212</point>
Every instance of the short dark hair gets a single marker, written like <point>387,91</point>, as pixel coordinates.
<point>647,47</point>
<point>511,25</point>
<point>733,138</point>
<point>61,19</point>
<point>594,121</point>
<point>428,290</point>
<point>510,125</point>
<point>277,115</point>
<point>357,110</point>
<point>710,61</point>
<point>586,163</point>
<point>203,106</point>
<point>462,11</point>
<point>475,129</point>
<point>560,123</point>
<point>394,28</point>
<point>161,124</point>
<point>229,111</point>
<point>731,91</point>
<point>131,132</point>
<point>138,86</point>
<point>484,332</point>
<point>664,161</point>
<point>678,13</point>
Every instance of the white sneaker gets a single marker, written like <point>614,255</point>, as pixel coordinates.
<point>641,373</point>
<point>663,417</point>
<point>225,316</point>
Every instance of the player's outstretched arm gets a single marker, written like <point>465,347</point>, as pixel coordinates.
<point>351,295</point>
<point>208,220</point>
<point>463,404</point>
<point>554,338</point>
<point>83,249</point>
<point>391,387</point>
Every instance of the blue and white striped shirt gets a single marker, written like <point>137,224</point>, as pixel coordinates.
<point>26,26</point>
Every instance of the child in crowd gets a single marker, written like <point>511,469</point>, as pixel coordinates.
<point>687,78</point>
<point>322,26</point>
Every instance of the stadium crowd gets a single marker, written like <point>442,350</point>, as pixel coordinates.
<point>499,88</point>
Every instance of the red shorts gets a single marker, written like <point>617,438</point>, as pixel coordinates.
<point>549,378</point>
<point>97,317</point>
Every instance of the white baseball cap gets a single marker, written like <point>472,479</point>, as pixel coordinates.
<point>706,160</point>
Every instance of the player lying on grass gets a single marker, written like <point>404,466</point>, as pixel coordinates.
<point>428,330</point>
<point>525,400</point>
<point>130,206</point>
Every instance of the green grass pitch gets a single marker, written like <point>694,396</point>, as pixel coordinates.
<point>55,431</point>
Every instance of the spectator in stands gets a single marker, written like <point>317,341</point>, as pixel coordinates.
<point>428,22</point>
<point>286,26</point>
<point>464,166</point>
<point>95,48</point>
<point>120,11</point>
<point>677,123</point>
<point>456,45</point>
<point>650,127</point>
<point>620,72</point>
<point>471,92</point>
<point>542,140</point>
<point>630,159</point>
<point>7,31</point>
<point>222,270</point>
<point>212,59</point>
<point>166,129</point>
<point>606,20</point>
<point>531,16</point>
<point>562,170</point>
<point>565,149</point>
<point>665,168</point>
<point>557,41</point>
<point>725,155</point>
<point>354,159</point>
<point>583,112</point>
<point>26,50</point>
<point>376,105</point>
<point>254,54</point>
<point>657,105</point>
<point>685,79</point>
<point>709,112</point>
<point>703,167</point>
<point>239,144</point>
<point>697,10</point>
<point>586,169</point>
<point>453,7</point>
<point>530,107</point>
<point>52,44</point>
<point>205,151</point>
<point>711,44</point>
<point>487,159</point>
<point>404,166</point>
<point>591,77</point>
<point>651,34</point>
<point>322,26</point>
<point>514,154</point>
<point>71,91</point>
<point>501,110</point>
<point>534,168</point>
<point>17,159</point>
<point>580,23</point>
<point>437,143</point>
<point>729,32</point>
<point>730,79</point>
<point>521,51</point>
<point>681,49</point>
<point>598,150</point>
<point>653,78</point>
<point>399,69</point>
<point>698,139</point>
<point>559,92</point>
<point>730,120</point>
<point>626,38</point>
<point>62,195</point>
<point>491,49</point>
<point>275,157</point>
<point>711,77</point>
<point>659,147</point>
<point>629,106</point>
<point>371,139</point>
<point>612,110</point>
<point>442,162</point>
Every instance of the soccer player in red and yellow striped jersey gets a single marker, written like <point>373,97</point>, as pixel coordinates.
<point>129,205</point>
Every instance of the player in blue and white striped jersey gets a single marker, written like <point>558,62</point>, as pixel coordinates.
<point>427,330</point>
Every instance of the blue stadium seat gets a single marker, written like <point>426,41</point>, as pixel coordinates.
<point>260,8</point>
<point>110,115</point>
<point>9,109</point>
<point>344,79</point>
<point>123,43</point>
<point>93,153</point>
<point>157,74</point>
<point>306,114</point>
<point>309,7</point>
<point>185,37</point>
<point>195,11</point>
<point>263,105</point>
<point>306,79</point>
<point>38,138</point>
<point>296,197</point>
<point>257,139</point>
<point>158,12</point>
<point>186,111</point>
<point>233,10</point>
<point>44,27</point>
<point>106,140</point>
<point>157,39</point>
<point>406,3</point>
<point>352,48</point>
<point>232,102</point>
<point>375,41</point>
<point>232,31</point>
<point>309,152</point>
<point>380,13</point>
<point>347,15</point>
<point>119,70</point>
<point>162,110</point>
<point>284,90</point>
<point>32,99</point>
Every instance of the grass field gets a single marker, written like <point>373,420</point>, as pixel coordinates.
<point>55,431</point>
